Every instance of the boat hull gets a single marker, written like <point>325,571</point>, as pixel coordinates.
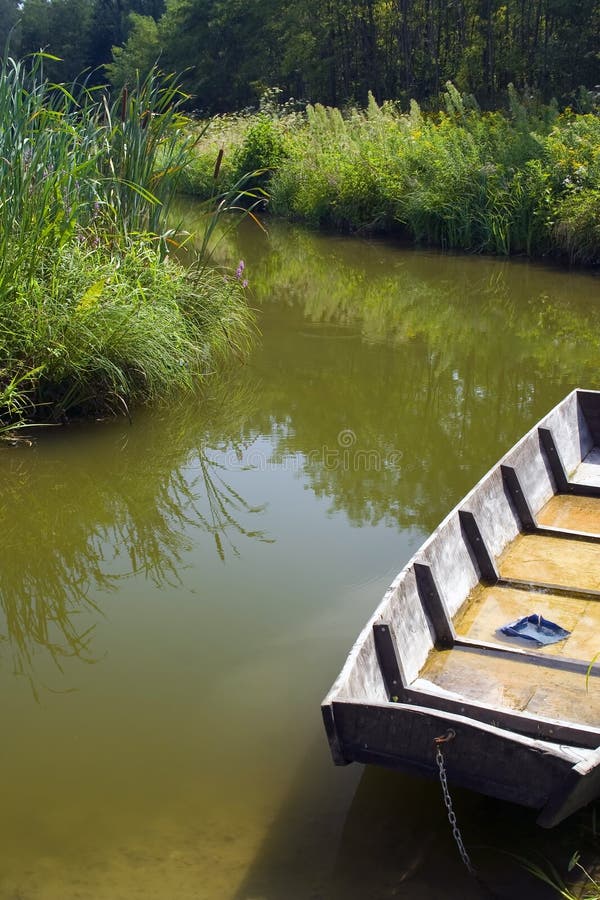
<point>481,758</point>
<point>524,728</point>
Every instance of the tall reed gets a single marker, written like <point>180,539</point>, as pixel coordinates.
<point>93,313</point>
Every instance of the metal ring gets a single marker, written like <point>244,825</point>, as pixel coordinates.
<point>444,738</point>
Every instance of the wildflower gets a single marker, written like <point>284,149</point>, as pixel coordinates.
<point>245,283</point>
<point>240,269</point>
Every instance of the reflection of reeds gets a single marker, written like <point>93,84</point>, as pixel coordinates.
<point>224,504</point>
<point>457,305</point>
<point>129,508</point>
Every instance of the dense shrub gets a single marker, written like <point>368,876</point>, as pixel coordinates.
<point>261,149</point>
<point>112,328</point>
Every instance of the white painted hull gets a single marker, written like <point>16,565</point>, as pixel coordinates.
<point>524,730</point>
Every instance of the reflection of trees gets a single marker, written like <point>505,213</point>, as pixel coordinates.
<point>444,360</point>
<point>135,508</point>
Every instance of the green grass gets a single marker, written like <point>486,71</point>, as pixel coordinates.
<point>108,329</point>
<point>581,885</point>
<point>95,314</point>
<point>522,181</point>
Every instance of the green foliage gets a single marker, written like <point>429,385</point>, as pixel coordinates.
<point>211,168</point>
<point>149,145</point>
<point>9,15</point>
<point>111,329</point>
<point>93,313</point>
<point>522,182</point>
<point>199,179</point>
<point>334,53</point>
<point>337,53</point>
<point>137,57</point>
<point>577,229</point>
<point>60,27</point>
<point>583,885</point>
<point>261,150</point>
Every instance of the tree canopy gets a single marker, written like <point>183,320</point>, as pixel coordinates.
<point>330,51</point>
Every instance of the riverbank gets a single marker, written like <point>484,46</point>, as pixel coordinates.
<point>95,313</point>
<point>522,182</point>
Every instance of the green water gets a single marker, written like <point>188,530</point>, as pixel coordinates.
<point>178,594</point>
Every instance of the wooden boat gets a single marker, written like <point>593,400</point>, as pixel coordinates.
<point>431,661</point>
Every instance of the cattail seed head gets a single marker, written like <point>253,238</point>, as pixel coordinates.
<point>218,163</point>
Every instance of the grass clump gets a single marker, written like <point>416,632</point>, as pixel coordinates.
<point>525,180</point>
<point>115,328</point>
<point>95,314</point>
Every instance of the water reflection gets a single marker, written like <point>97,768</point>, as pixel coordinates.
<point>429,366</point>
<point>396,842</point>
<point>73,532</point>
<point>387,381</point>
<point>457,304</point>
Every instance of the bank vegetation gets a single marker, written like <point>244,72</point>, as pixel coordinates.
<point>521,181</point>
<point>95,312</point>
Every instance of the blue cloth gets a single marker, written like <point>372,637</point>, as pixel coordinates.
<point>536,628</point>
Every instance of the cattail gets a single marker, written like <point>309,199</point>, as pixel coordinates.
<point>218,163</point>
<point>124,96</point>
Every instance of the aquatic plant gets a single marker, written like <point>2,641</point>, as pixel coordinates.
<point>95,314</point>
<point>583,884</point>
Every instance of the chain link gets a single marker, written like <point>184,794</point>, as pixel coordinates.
<point>439,758</point>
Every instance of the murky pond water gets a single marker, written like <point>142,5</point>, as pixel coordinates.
<point>178,594</point>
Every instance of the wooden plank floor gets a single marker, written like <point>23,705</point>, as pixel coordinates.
<point>551,560</point>
<point>489,608</point>
<point>508,681</point>
<point>514,684</point>
<point>572,513</point>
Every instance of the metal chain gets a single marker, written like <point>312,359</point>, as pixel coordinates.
<point>439,758</point>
